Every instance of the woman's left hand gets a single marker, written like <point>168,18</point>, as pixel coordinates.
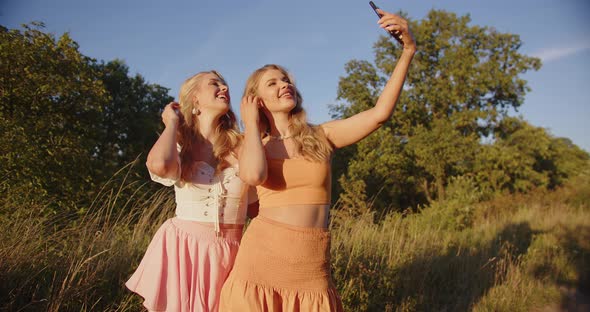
<point>398,26</point>
<point>249,111</point>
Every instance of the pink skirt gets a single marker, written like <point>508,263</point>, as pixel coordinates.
<point>185,266</point>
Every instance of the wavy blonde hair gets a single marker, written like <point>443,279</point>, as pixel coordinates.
<point>226,135</point>
<point>310,140</point>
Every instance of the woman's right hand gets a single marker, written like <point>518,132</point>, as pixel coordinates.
<point>171,115</point>
<point>399,27</point>
<point>249,111</point>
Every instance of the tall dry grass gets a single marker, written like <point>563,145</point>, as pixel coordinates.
<point>510,253</point>
<point>78,262</point>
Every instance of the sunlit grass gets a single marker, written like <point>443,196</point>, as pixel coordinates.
<point>516,255</point>
<point>512,253</point>
<point>79,262</point>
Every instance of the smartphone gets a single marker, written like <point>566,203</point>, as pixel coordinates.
<point>397,37</point>
<point>375,8</point>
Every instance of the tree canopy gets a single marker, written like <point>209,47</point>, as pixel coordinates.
<point>68,122</point>
<point>462,84</point>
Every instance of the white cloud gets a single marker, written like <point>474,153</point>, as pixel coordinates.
<point>556,53</point>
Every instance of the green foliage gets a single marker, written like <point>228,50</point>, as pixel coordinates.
<point>524,157</point>
<point>458,255</point>
<point>441,152</point>
<point>68,123</point>
<point>581,198</point>
<point>129,123</point>
<point>455,212</point>
<point>380,173</point>
<point>49,96</point>
<point>567,160</point>
<point>457,68</point>
<point>451,120</point>
<point>361,87</point>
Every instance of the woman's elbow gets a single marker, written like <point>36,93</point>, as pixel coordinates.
<point>379,115</point>
<point>379,120</point>
<point>158,167</point>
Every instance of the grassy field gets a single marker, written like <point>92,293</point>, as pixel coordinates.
<point>520,252</point>
<point>512,253</point>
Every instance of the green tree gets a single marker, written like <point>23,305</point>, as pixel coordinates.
<point>524,157</point>
<point>441,152</point>
<point>463,80</point>
<point>130,121</point>
<point>69,123</point>
<point>378,179</point>
<point>49,98</point>
<point>568,161</point>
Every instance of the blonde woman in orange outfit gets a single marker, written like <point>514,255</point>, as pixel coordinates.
<point>284,261</point>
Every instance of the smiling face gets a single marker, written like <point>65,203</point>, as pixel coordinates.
<point>212,94</point>
<point>276,91</point>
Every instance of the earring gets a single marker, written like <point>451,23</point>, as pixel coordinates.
<point>196,111</point>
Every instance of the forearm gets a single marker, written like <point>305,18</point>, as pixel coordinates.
<point>163,157</point>
<point>348,131</point>
<point>252,160</point>
<point>389,96</point>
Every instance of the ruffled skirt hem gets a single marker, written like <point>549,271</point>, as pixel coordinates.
<point>250,296</point>
<point>184,267</point>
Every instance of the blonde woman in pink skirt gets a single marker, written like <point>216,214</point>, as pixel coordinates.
<point>191,255</point>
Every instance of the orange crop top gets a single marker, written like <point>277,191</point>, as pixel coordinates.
<point>295,181</point>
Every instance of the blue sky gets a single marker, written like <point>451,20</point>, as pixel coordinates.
<point>167,41</point>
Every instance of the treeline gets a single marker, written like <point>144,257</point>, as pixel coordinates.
<point>452,121</point>
<point>68,122</point>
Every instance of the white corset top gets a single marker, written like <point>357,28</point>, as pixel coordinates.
<point>209,197</point>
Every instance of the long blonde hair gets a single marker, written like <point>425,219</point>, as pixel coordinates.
<point>310,140</point>
<point>226,135</point>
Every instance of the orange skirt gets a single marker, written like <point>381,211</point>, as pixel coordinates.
<point>281,267</point>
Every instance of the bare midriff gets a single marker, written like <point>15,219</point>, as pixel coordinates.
<point>305,215</point>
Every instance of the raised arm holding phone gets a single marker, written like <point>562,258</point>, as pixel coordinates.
<point>284,260</point>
